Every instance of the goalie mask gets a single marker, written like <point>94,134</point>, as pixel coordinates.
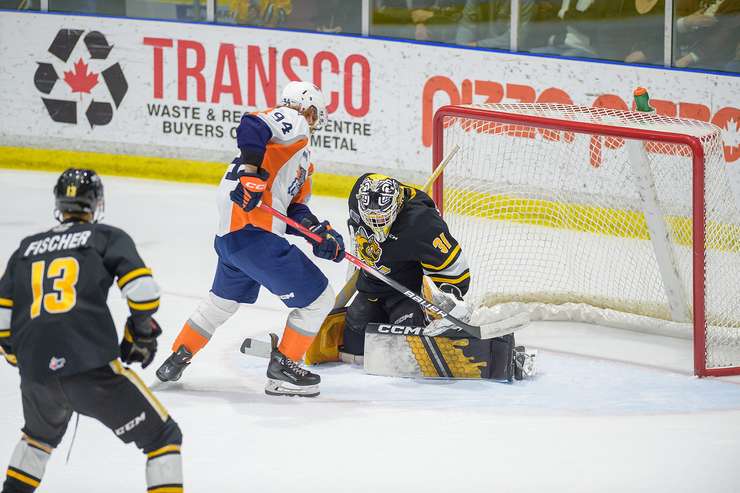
<point>379,200</point>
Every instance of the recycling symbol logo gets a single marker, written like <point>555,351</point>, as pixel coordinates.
<point>96,100</point>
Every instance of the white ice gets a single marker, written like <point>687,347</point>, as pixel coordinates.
<point>587,423</point>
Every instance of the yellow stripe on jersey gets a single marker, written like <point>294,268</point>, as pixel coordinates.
<point>6,303</point>
<point>164,450</point>
<point>449,259</point>
<point>23,478</point>
<point>4,334</point>
<point>134,274</point>
<point>457,280</point>
<point>150,305</point>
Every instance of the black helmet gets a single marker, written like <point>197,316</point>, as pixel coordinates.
<point>79,191</point>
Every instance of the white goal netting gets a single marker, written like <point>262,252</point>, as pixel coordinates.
<point>596,227</point>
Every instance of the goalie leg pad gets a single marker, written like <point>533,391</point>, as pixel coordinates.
<point>325,346</point>
<point>397,350</point>
<point>502,351</point>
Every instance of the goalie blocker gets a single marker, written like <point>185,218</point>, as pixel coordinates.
<point>402,351</point>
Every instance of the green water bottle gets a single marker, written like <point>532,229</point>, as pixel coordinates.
<point>642,100</point>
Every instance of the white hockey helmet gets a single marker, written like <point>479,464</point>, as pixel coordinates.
<point>301,96</point>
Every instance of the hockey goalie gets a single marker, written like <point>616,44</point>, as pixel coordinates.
<point>398,230</point>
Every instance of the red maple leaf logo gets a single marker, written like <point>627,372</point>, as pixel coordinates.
<point>79,80</point>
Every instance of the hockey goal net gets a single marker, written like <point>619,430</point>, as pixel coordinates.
<point>611,217</point>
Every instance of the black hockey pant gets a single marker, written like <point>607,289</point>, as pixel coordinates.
<point>115,396</point>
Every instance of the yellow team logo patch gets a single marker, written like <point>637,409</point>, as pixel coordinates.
<point>368,249</point>
<point>71,191</point>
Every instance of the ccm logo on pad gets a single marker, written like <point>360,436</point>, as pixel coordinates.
<point>400,330</point>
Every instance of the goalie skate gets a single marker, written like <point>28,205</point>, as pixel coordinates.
<point>286,377</point>
<point>524,363</point>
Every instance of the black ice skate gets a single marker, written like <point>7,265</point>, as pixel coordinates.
<point>285,377</point>
<point>172,368</point>
<point>524,363</point>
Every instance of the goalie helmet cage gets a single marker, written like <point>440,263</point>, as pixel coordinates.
<point>612,217</point>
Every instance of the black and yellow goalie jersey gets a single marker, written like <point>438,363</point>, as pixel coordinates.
<point>419,243</point>
<point>53,298</point>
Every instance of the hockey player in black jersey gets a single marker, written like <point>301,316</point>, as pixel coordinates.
<point>56,327</point>
<point>398,230</point>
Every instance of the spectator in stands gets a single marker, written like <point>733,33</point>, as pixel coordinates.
<point>337,16</point>
<point>579,28</point>
<point>709,36</point>
<point>424,20</point>
<point>267,13</point>
<point>645,27</point>
<point>487,23</point>
<point>629,30</point>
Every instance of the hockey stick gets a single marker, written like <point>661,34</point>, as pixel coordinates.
<point>485,331</point>
<point>349,289</point>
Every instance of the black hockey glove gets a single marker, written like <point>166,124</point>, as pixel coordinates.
<point>139,342</point>
<point>9,356</point>
<point>332,246</point>
<point>249,190</point>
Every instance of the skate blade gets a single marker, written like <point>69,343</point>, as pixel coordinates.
<point>278,387</point>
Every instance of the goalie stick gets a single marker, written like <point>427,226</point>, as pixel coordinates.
<point>485,331</point>
<point>256,347</point>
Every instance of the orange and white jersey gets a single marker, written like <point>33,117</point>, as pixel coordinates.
<point>287,159</point>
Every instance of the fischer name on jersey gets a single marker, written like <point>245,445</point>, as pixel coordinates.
<point>281,135</point>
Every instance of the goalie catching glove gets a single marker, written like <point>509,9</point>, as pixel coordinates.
<point>139,342</point>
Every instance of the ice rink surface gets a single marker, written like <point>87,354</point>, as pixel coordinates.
<point>584,424</point>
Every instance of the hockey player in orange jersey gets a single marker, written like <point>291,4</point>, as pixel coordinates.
<point>273,167</point>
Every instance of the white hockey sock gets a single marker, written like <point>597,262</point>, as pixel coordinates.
<point>28,462</point>
<point>164,470</point>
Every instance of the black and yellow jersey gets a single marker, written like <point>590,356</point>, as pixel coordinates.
<point>419,243</point>
<point>53,298</point>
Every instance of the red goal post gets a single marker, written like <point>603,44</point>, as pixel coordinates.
<point>543,174</point>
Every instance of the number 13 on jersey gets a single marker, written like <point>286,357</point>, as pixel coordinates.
<point>65,273</point>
